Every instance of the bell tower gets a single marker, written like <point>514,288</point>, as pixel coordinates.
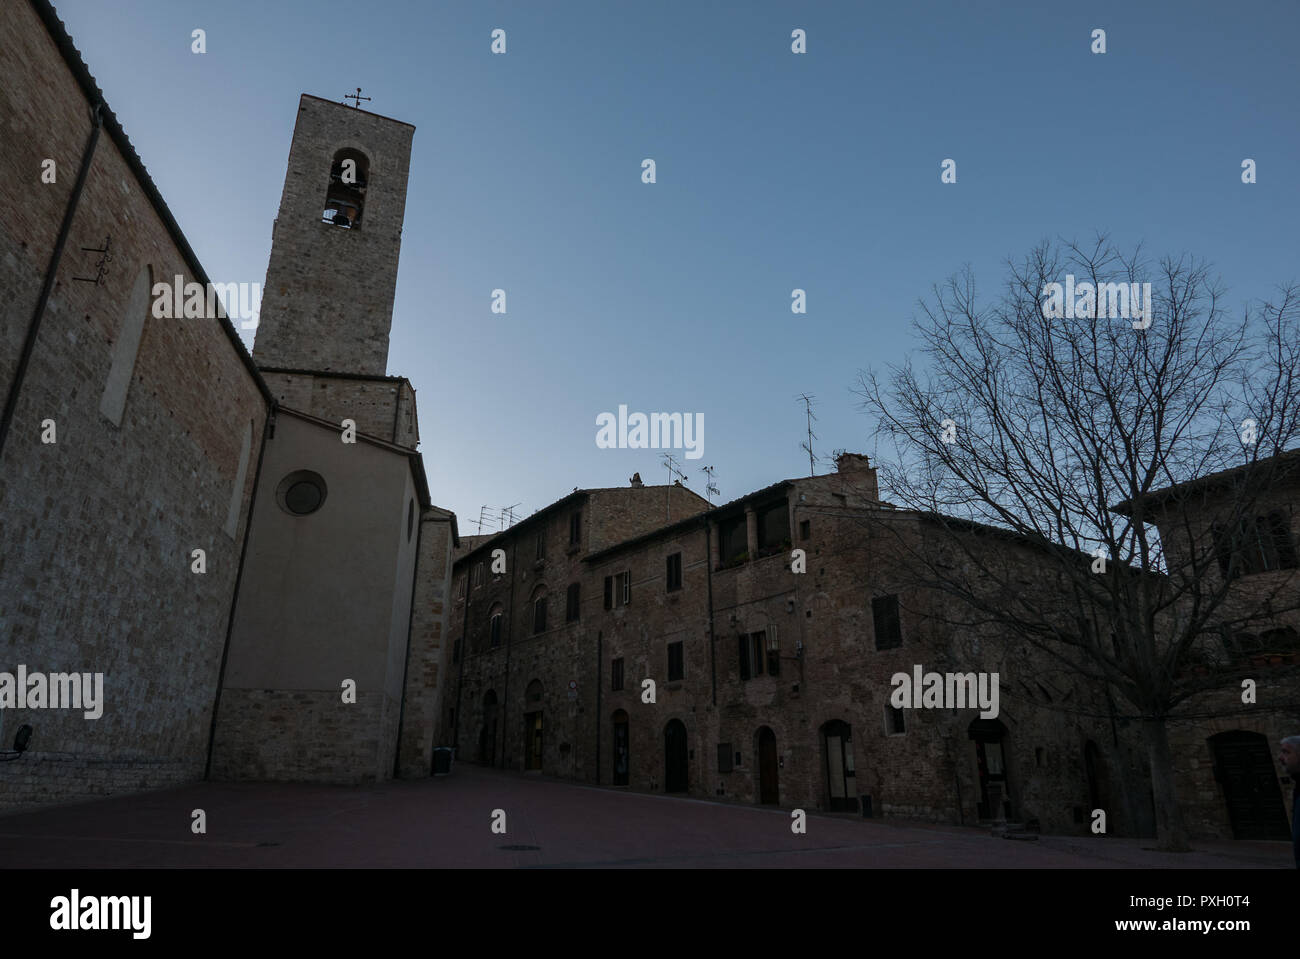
<point>327,304</point>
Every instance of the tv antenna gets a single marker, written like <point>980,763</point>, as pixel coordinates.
<point>508,516</point>
<point>482,517</point>
<point>674,472</point>
<point>812,459</point>
<point>710,490</point>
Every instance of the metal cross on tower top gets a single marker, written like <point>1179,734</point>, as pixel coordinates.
<point>355,96</point>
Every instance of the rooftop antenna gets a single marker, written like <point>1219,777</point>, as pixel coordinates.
<point>807,402</point>
<point>674,471</point>
<point>710,490</point>
<point>482,517</point>
<point>354,96</point>
<point>508,516</point>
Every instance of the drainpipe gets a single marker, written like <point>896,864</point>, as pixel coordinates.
<point>505,698</point>
<point>410,627</point>
<point>33,327</point>
<point>708,569</point>
<point>599,654</point>
<point>268,430</point>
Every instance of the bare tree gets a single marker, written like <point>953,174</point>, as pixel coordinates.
<point>1133,451</point>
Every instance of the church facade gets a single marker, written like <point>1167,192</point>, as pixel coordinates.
<point>243,548</point>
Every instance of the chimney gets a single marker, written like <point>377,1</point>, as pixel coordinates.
<point>858,475</point>
<point>636,481</point>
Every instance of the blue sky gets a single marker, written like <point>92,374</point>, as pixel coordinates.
<point>818,171</point>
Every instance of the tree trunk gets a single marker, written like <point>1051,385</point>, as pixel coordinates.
<point>1170,830</point>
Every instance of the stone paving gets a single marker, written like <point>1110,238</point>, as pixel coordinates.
<point>446,823</point>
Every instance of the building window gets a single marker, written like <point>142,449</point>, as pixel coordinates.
<point>884,612</point>
<point>575,528</point>
<point>674,572</point>
<point>805,529</point>
<point>478,575</point>
<point>346,197</point>
<point>539,614</point>
<point>618,590</point>
<point>724,757</point>
<point>676,662</point>
<point>625,587</point>
<point>460,587</point>
<point>455,652</point>
<point>1258,547</point>
<point>616,674</point>
<point>495,629</point>
<point>609,592</point>
<point>759,653</point>
<point>773,654</point>
<point>571,604</point>
<point>773,528</point>
<point>895,722</point>
<point>125,348</point>
<point>301,493</point>
<point>541,543</point>
<point>732,548</point>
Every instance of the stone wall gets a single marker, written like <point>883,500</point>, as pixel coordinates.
<point>98,527</point>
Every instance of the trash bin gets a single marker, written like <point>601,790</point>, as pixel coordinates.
<point>442,761</point>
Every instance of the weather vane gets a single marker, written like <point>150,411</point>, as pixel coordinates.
<point>355,96</point>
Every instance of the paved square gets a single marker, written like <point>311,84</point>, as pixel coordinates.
<point>446,823</point>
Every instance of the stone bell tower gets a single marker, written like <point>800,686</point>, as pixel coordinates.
<point>327,303</point>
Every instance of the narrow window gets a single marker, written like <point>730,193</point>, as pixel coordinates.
<point>241,474</point>
<point>773,654</point>
<point>496,630</point>
<point>897,724</point>
<point>571,604</point>
<point>625,585</point>
<point>805,529</point>
<point>616,674</point>
<point>478,575</point>
<point>744,657</point>
<point>884,611</point>
<point>575,528</point>
<point>674,572</point>
<point>539,615</point>
<point>732,549</point>
<point>676,662</point>
<point>724,757</point>
<point>609,592</point>
<point>125,348</point>
<point>541,542</point>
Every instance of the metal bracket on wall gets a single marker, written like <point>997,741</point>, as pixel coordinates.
<point>101,266</point>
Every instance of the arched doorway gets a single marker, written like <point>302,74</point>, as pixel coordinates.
<point>487,740</point>
<point>533,726</point>
<point>841,781</point>
<point>675,757</point>
<point>994,791</point>
<point>768,788</point>
<point>622,749</point>
<point>1243,765</point>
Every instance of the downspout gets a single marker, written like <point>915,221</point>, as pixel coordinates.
<point>599,653</point>
<point>268,430</point>
<point>464,655</point>
<point>510,642</point>
<point>410,626</point>
<point>47,285</point>
<point>708,569</point>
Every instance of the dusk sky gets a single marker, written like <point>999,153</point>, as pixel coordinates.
<point>775,171</point>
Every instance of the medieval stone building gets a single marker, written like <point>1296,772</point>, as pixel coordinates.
<point>246,549</point>
<point>243,547</point>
